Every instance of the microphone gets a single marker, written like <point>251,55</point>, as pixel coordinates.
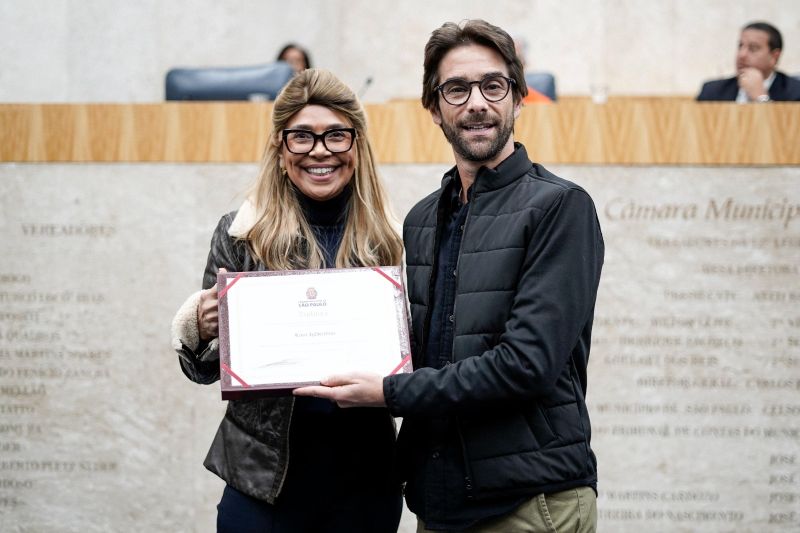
<point>364,87</point>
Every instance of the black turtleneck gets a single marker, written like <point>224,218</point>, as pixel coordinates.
<point>327,220</point>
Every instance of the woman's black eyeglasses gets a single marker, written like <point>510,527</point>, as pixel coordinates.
<point>335,140</point>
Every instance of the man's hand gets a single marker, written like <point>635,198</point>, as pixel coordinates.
<point>351,390</point>
<point>208,313</point>
<point>752,82</point>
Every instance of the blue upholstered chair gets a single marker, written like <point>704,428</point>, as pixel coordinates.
<point>544,82</point>
<point>228,83</point>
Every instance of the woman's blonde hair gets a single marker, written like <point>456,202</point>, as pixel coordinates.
<point>282,238</point>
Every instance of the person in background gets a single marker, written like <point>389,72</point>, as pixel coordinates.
<point>503,263</point>
<point>296,56</point>
<point>533,96</point>
<point>756,80</point>
<point>300,464</point>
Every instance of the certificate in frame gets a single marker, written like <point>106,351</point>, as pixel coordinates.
<point>279,330</point>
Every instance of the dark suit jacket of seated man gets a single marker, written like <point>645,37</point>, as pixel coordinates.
<point>783,88</point>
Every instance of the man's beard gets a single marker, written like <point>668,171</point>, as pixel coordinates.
<point>477,152</point>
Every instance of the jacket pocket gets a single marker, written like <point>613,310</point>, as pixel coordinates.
<point>540,427</point>
<point>506,433</point>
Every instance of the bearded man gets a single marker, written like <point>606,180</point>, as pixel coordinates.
<point>503,264</point>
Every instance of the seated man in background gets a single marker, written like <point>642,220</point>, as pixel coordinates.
<point>760,46</point>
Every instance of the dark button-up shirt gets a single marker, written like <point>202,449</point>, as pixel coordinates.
<point>438,496</point>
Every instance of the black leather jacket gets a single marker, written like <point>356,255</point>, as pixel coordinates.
<point>250,449</point>
<point>528,271</point>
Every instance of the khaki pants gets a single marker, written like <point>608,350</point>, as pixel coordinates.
<point>570,511</point>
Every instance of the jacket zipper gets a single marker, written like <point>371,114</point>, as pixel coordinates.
<point>286,447</point>
<point>467,467</point>
<point>468,486</point>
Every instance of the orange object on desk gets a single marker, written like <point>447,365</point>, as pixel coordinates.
<point>535,97</point>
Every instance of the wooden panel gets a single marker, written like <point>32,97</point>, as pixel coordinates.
<point>626,130</point>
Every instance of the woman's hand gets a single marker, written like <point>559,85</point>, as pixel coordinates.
<point>208,313</point>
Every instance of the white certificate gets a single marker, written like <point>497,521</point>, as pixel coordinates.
<point>285,329</point>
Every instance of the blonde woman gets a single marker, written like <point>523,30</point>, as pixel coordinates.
<point>300,464</point>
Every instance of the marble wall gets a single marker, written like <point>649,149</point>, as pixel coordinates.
<point>116,51</point>
<point>693,380</point>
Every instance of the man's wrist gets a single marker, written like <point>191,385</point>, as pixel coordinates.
<point>762,98</point>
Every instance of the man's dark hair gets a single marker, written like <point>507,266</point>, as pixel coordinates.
<point>476,31</point>
<point>775,40</point>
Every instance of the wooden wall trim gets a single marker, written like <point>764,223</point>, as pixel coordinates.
<point>637,130</point>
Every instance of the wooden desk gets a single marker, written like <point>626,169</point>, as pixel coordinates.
<point>636,130</point>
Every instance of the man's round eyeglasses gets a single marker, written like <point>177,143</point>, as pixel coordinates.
<point>335,140</point>
<point>457,91</point>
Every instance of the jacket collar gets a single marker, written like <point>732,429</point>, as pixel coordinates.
<point>244,220</point>
<point>489,179</point>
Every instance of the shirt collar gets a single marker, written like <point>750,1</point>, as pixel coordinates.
<point>511,168</point>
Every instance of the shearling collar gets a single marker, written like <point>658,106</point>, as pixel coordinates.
<point>244,220</point>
